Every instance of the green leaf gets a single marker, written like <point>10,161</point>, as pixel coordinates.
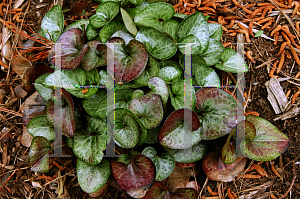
<point>132,12</point>
<point>212,55</point>
<point>91,32</point>
<point>269,142</point>
<point>124,35</point>
<point>206,76</point>
<point>95,56</point>
<point>137,93</point>
<point>152,134</point>
<point>46,93</point>
<point>195,24</point>
<point>159,45</point>
<point>164,165</point>
<point>148,108</point>
<point>40,126</point>
<point>130,25</point>
<point>177,94</point>
<point>38,157</point>
<point>92,77</point>
<point>232,62</point>
<point>259,33</point>
<point>177,133</point>
<point>88,147</point>
<point>153,15</point>
<point>189,41</point>
<point>170,74</point>
<point>82,24</point>
<point>219,112</point>
<point>53,23</point>
<point>192,154</point>
<point>170,27</point>
<point>215,31</point>
<point>105,12</point>
<point>129,61</point>
<point>126,128</point>
<point>92,178</point>
<point>109,29</point>
<point>159,86</point>
<point>90,104</point>
<point>136,2</point>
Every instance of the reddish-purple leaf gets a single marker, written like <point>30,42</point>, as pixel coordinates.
<point>72,49</point>
<point>33,106</point>
<point>217,170</point>
<point>68,119</point>
<point>139,173</point>
<point>129,61</point>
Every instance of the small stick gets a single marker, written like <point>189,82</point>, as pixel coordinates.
<point>212,4</point>
<point>221,20</point>
<point>236,3</point>
<point>226,44</point>
<point>273,197</point>
<point>256,11</point>
<point>281,62</point>
<point>288,94</point>
<point>249,176</point>
<point>297,6</point>
<point>258,19</point>
<point>206,9</point>
<point>297,26</point>
<point>286,37</point>
<point>264,4</point>
<point>293,101</point>
<point>285,28</point>
<point>6,181</point>
<point>211,192</point>
<point>231,24</point>
<point>271,74</point>
<point>233,34</point>
<point>295,55</point>
<point>250,30</point>
<point>253,113</point>
<point>267,24</point>
<point>283,45</point>
<point>259,170</point>
<point>297,75</point>
<point>249,56</point>
<point>288,55</point>
<point>278,28</point>
<point>246,10</point>
<point>230,194</point>
<point>281,4</point>
<point>274,170</point>
<point>265,20</point>
<point>266,10</point>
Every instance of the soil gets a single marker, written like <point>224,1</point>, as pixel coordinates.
<point>17,177</point>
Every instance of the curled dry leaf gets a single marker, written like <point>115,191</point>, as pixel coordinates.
<point>26,137</point>
<point>217,170</point>
<point>20,65</point>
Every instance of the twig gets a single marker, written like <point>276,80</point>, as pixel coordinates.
<point>205,183</point>
<point>6,181</point>
<point>292,184</point>
<point>11,112</point>
<point>265,63</point>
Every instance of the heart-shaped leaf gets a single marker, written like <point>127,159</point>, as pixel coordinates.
<point>219,112</point>
<point>190,155</point>
<point>82,24</point>
<point>143,5</point>
<point>70,78</point>
<point>189,41</point>
<point>46,93</point>
<point>124,35</point>
<point>269,142</point>
<point>159,190</point>
<point>89,147</point>
<point>195,24</point>
<point>177,133</point>
<point>217,170</point>
<point>96,126</point>
<point>215,31</point>
<point>129,61</point>
<point>170,74</point>
<point>232,62</point>
<point>244,128</point>
<point>148,108</point>
<point>72,49</point>
<point>105,12</point>
<point>126,128</point>
<point>109,29</point>
<point>95,56</point>
<point>159,86</point>
<point>38,157</point>
<point>132,12</point>
<point>138,173</point>
<point>67,113</point>
<point>206,76</point>
<point>53,23</point>
<point>170,27</point>
<point>164,164</point>
<point>33,106</point>
<point>137,93</point>
<point>178,94</point>
<point>168,62</point>
<point>136,2</point>
<point>92,77</point>
<point>154,15</point>
<point>130,25</point>
<point>91,33</point>
<point>212,55</point>
<point>92,178</point>
<point>151,70</point>
<point>159,45</point>
<point>40,126</point>
<point>90,104</point>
